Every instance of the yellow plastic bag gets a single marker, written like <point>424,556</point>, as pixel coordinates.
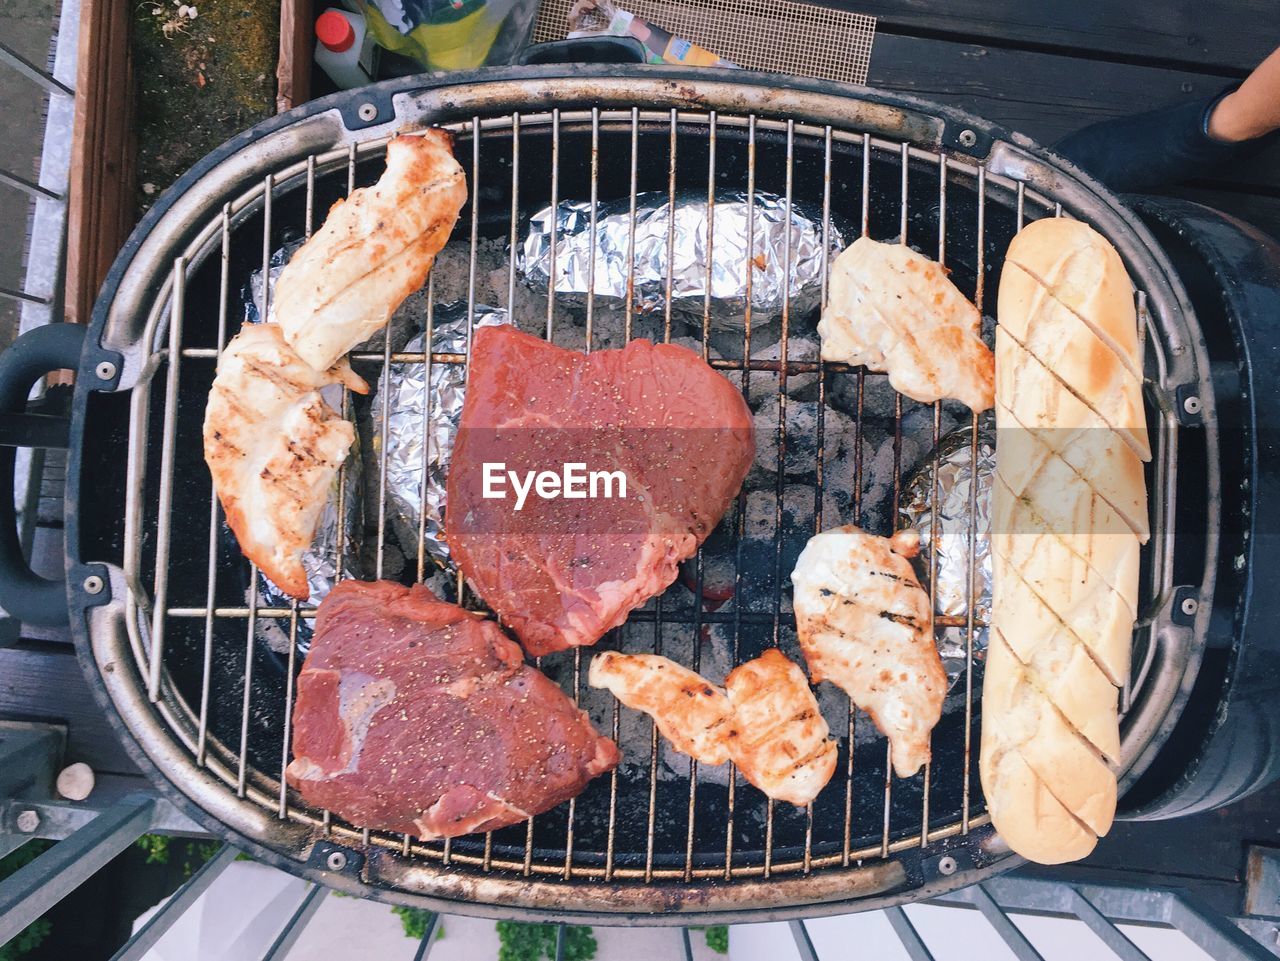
<point>452,34</point>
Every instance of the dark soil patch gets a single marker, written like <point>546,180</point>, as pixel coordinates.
<point>199,81</point>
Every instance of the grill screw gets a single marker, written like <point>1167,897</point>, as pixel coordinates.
<point>93,584</point>
<point>967,138</point>
<point>947,865</point>
<point>336,861</point>
<point>367,111</point>
<point>106,370</point>
<point>1191,405</point>
<point>28,821</point>
<point>1190,605</point>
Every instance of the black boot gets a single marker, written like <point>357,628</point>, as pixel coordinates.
<point>1154,149</point>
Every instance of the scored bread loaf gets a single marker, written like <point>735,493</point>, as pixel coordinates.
<point>1094,354</point>
<point>1069,513</point>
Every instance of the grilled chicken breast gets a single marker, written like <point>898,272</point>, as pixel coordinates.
<point>782,747</point>
<point>893,310</point>
<point>765,719</point>
<point>691,713</point>
<point>374,250</point>
<point>864,624</point>
<point>273,446</point>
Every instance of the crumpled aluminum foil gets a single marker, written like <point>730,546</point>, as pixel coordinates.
<point>404,384</point>
<point>956,478</point>
<point>574,254</point>
<point>251,294</point>
<point>320,560</point>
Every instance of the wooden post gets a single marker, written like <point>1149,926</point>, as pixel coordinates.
<point>101,195</point>
<point>293,67</point>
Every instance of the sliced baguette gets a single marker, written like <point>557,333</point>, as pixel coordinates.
<point>1119,406</point>
<point>1082,271</point>
<point>1029,818</point>
<point>1034,726</point>
<point>1033,612</point>
<point>1077,526</point>
<point>1067,675</point>
<point>1063,581</point>
<point>1097,454</point>
<point>1069,514</point>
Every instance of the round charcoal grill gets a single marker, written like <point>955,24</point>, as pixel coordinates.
<point>170,634</point>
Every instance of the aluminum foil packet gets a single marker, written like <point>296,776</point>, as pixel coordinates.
<point>320,560</point>
<point>251,294</point>
<point>956,522</point>
<point>768,228</point>
<point>421,414</point>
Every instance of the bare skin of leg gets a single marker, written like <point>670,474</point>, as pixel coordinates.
<point>1253,109</point>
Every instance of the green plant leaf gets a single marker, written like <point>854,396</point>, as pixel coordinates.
<point>519,941</point>
<point>413,920</point>
<point>717,936</point>
<point>33,935</point>
<point>156,846</point>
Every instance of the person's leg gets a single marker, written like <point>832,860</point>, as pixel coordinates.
<point>1173,144</point>
<point>1253,110</point>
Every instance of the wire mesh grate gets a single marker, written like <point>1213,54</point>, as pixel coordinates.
<point>228,698</point>
<point>803,39</point>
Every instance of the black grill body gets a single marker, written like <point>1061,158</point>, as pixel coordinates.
<point>1227,744</point>
<point>222,773</point>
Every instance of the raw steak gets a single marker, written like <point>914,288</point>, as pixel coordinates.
<point>418,717</point>
<point>561,572</point>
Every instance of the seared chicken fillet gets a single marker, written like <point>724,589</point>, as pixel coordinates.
<point>864,624</point>
<point>782,747</point>
<point>273,446</point>
<point>693,714</point>
<point>374,250</point>
<point>893,310</point>
<point>765,719</point>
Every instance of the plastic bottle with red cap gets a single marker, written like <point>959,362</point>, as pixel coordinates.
<point>344,50</point>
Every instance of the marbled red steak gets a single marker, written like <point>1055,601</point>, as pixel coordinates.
<point>561,572</point>
<point>418,717</point>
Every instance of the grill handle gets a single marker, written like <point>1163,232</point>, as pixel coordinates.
<point>24,594</point>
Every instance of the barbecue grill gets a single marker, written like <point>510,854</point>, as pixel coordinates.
<point>166,611</point>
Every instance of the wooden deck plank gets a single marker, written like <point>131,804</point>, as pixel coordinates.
<point>1160,847</point>
<point>1198,34</point>
<point>45,684</point>
<point>1046,95</point>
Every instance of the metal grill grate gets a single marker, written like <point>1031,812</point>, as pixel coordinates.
<point>783,36</point>
<point>214,686</point>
